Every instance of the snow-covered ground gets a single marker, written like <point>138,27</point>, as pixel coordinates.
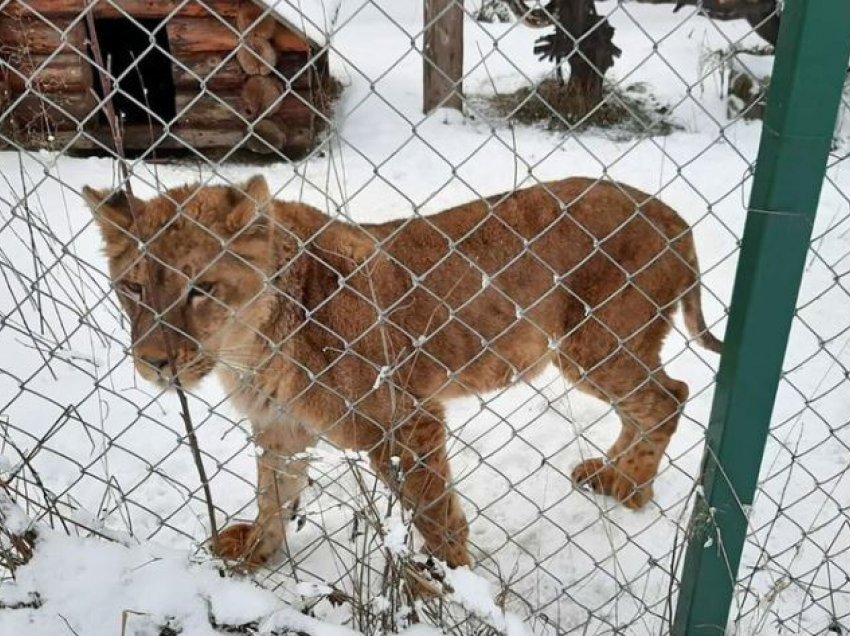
<point>565,560</point>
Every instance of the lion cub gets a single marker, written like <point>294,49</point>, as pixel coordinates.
<point>357,334</point>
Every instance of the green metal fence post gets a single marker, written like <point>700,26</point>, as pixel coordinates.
<point>803,100</point>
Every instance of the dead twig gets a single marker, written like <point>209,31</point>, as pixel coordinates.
<point>117,138</point>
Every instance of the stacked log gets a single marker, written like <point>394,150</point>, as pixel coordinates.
<point>47,81</point>
<point>241,77</point>
<point>140,9</point>
<point>273,111</point>
<point>5,95</point>
<point>269,101</point>
<point>253,76</point>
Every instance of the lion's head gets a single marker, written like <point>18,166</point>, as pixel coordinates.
<point>190,268</point>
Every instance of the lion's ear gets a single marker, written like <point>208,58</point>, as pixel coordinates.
<point>253,202</point>
<point>114,212</point>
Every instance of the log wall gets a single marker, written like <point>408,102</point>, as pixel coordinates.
<point>46,76</point>
<point>246,76</point>
<point>119,8</point>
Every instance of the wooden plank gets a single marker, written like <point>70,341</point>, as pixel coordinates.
<point>267,137</point>
<point>189,36</point>
<point>39,138</point>
<point>208,111</point>
<point>295,142</point>
<point>66,72</point>
<point>5,125</point>
<point>218,71</point>
<point>141,138</point>
<point>152,9</point>
<point>207,139</point>
<point>286,40</point>
<point>77,106</point>
<point>5,93</point>
<point>223,73</point>
<point>294,113</point>
<point>443,55</point>
<point>33,36</point>
<point>113,8</point>
<point>53,112</point>
<point>299,140</point>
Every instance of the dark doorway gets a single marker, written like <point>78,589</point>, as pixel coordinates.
<point>146,85</point>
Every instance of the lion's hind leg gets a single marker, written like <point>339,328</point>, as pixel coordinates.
<point>649,416</point>
<point>649,404</point>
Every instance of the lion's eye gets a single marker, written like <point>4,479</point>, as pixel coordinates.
<point>133,291</point>
<point>200,291</point>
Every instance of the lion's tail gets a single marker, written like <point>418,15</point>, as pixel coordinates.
<point>692,299</point>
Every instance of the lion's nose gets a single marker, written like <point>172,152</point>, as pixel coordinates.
<point>157,363</point>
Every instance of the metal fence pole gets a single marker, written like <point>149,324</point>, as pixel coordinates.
<point>805,92</point>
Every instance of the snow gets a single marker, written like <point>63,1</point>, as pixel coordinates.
<point>311,589</point>
<point>314,18</point>
<point>12,517</point>
<point>474,593</point>
<point>112,449</point>
<point>421,630</point>
<point>395,535</point>
<point>290,620</point>
<point>97,586</point>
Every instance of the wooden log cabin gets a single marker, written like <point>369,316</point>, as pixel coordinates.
<point>216,75</point>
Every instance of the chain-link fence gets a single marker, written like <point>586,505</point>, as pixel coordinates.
<point>793,577</point>
<point>343,332</point>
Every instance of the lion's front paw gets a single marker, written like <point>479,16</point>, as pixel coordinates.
<point>246,544</point>
<point>609,479</point>
<point>595,474</point>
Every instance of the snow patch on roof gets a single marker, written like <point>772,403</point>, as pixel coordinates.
<point>317,19</point>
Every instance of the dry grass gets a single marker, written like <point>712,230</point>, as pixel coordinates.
<point>631,111</point>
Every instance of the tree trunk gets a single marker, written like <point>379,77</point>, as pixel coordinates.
<point>585,40</point>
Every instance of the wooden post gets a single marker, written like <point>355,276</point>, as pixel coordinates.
<point>443,55</point>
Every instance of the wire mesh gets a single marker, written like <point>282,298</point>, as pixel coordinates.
<point>95,450</point>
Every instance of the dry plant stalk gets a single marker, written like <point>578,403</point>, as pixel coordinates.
<point>117,138</point>
<point>16,548</point>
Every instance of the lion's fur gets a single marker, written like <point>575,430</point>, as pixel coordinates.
<point>358,333</point>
